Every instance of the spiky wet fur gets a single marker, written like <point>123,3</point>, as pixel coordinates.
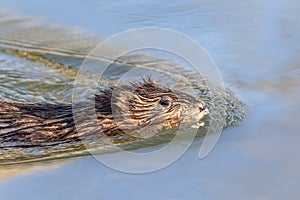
<point>143,107</point>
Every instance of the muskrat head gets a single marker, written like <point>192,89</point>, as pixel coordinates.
<point>147,107</point>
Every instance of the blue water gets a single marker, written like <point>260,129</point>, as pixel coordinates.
<point>255,46</point>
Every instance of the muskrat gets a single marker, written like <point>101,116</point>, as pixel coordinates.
<point>141,107</point>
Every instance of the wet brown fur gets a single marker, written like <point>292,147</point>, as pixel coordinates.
<point>119,110</point>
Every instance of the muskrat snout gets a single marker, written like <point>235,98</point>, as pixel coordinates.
<point>201,106</point>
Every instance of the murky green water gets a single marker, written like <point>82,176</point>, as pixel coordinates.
<point>255,45</point>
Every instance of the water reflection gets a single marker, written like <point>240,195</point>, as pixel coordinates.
<point>10,171</point>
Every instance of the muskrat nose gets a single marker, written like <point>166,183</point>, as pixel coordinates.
<point>201,107</point>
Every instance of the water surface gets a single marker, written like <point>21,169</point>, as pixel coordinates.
<point>256,47</point>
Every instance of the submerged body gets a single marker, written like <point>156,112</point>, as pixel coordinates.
<point>136,108</point>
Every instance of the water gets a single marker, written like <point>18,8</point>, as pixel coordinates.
<point>255,45</point>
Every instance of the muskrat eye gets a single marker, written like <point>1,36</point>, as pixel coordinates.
<point>164,102</point>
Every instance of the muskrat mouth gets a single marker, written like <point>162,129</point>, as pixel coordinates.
<point>203,111</point>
